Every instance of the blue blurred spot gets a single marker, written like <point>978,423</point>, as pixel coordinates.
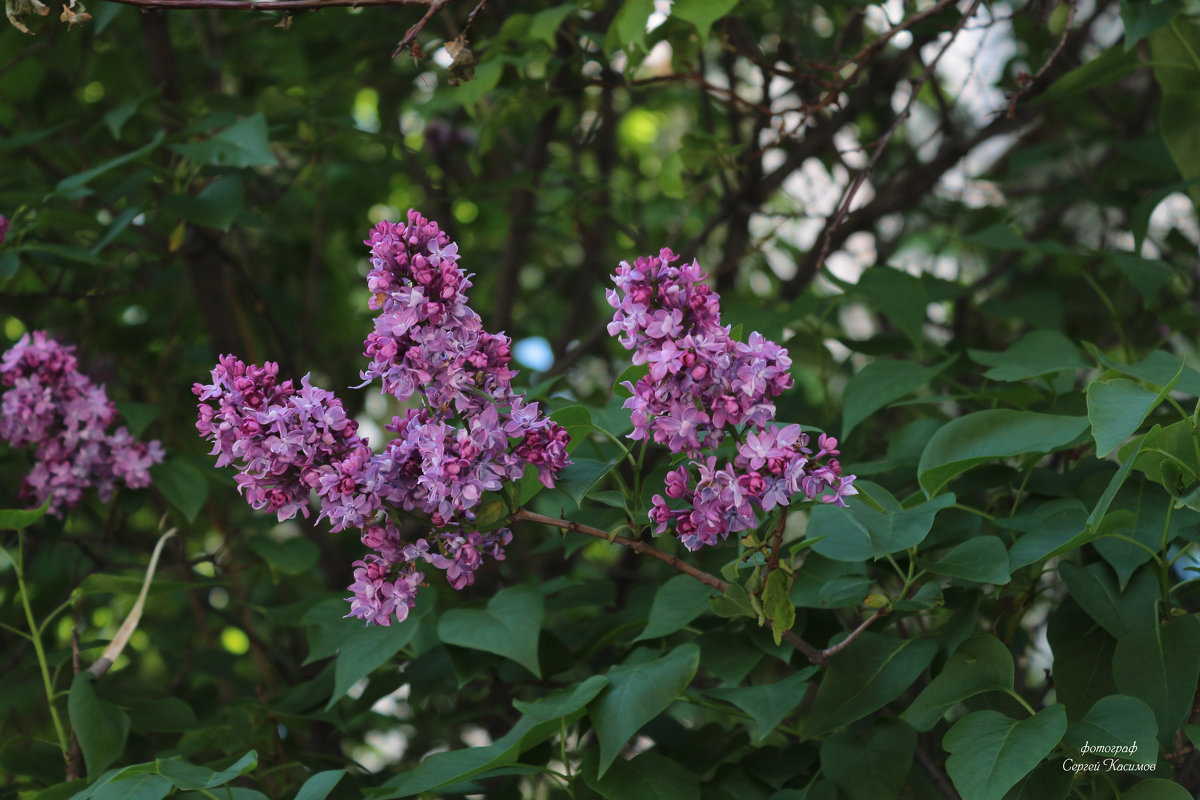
<point>534,353</point>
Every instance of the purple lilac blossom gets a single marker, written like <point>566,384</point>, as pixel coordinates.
<point>703,386</point>
<point>3,228</point>
<point>470,435</point>
<point>51,407</point>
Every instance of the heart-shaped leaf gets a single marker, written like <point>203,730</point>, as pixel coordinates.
<point>639,690</point>
<point>509,626</point>
<point>990,752</point>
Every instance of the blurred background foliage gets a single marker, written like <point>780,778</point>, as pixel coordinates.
<point>188,183</point>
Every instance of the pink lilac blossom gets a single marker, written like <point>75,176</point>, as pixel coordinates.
<point>703,386</point>
<point>470,435</point>
<point>701,382</point>
<point>51,407</point>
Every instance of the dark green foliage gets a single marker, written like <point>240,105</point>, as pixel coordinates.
<point>1008,355</point>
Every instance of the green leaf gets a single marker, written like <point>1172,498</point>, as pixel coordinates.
<point>811,587</point>
<point>1174,49</point>
<point>872,671</point>
<point>629,27</point>
<point>630,375</point>
<point>487,77</point>
<point>444,769</point>
<point>880,383</point>
<point>182,485</point>
<point>1083,654</point>
<point>99,725</point>
<point>216,206</point>
<point>1005,236</point>
<point>1095,589</point>
<point>15,519</point>
<point>1049,527</point>
<point>983,559</point>
<point>980,664</point>
<point>989,752</point>
<point>509,626</point>
<point>1110,66</point>
<point>649,776</point>
<point>1144,18</point>
<point>870,766</point>
<point>734,603</point>
<point>320,785</point>
<point>369,646</point>
<point>1168,456</point>
<point>1033,355</point>
<point>138,416</point>
<point>545,24</point>
<point>900,297</point>
<point>1157,789</point>
<point>292,556</point>
<point>857,533</point>
<point>638,692</point>
<point>1114,485</point>
<point>676,603</point>
<point>767,704</point>
<point>777,604</point>
<point>1148,275</point>
<point>1048,781</point>
<point>581,476</point>
<point>115,119</point>
<point>191,776</point>
<point>79,255</point>
<point>578,422</point>
<point>1116,409</point>
<point>10,265</point>
<point>1159,368</point>
<point>243,144</point>
<point>989,435</point>
<point>1118,721</point>
<point>563,703</point>
<point>132,786</point>
<point>1161,666</point>
<point>72,184</point>
<point>702,13</point>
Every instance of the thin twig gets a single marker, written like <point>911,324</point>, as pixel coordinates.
<point>776,541</point>
<point>863,57</point>
<point>854,634</point>
<point>265,5</point>
<point>412,32</point>
<point>861,177</point>
<point>471,17</point>
<point>113,651</point>
<point>1072,5</point>
<point>636,545</point>
<point>811,653</point>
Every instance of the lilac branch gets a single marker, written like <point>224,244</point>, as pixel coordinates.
<point>844,207</point>
<point>811,653</point>
<point>1072,6</point>
<point>854,634</point>
<point>636,545</point>
<point>412,32</point>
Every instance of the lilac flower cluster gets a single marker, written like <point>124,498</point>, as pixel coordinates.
<point>471,433</point>
<point>702,383</point>
<point>286,442</point>
<point>3,228</point>
<point>51,407</point>
<point>702,387</point>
